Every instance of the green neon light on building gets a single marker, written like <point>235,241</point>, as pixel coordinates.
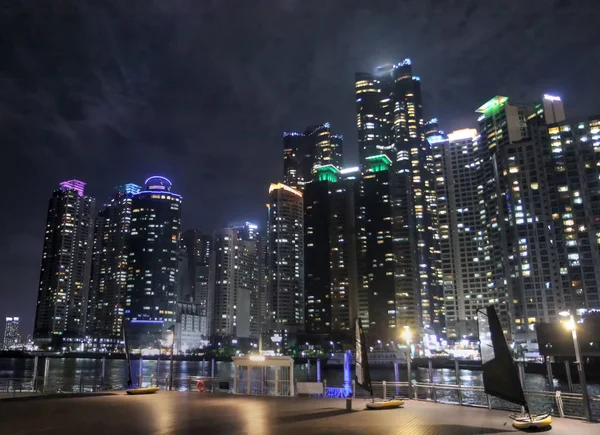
<point>379,163</point>
<point>492,106</point>
<point>327,173</point>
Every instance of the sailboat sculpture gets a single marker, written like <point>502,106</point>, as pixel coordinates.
<point>363,373</point>
<point>500,375</point>
<point>140,389</point>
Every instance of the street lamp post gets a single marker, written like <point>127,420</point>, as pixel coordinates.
<point>407,335</point>
<point>172,330</point>
<point>572,326</point>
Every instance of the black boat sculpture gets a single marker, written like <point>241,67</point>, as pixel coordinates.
<point>363,373</point>
<point>500,374</point>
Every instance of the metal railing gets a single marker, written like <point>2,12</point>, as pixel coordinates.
<point>568,405</point>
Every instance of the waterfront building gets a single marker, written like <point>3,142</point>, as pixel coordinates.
<point>152,263</point>
<point>331,264</point>
<point>194,275</point>
<point>574,182</point>
<point>285,263</point>
<point>466,261</point>
<point>65,266</point>
<point>390,123</point>
<point>11,333</point>
<point>235,284</point>
<point>304,152</point>
<point>108,277</point>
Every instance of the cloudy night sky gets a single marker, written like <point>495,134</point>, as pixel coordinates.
<point>111,92</point>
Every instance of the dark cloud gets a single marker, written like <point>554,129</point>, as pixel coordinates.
<point>114,91</point>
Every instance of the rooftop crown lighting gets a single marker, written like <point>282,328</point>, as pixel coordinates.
<point>465,133</point>
<point>276,186</point>
<point>492,104</point>
<point>551,97</point>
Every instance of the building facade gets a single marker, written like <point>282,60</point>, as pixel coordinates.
<point>304,152</point>
<point>152,263</point>
<point>11,333</point>
<point>194,277</point>
<point>463,227</point>
<point>236,284</point>
<point>108,277</point>
<point>285,262</point>
<point>574,181</point>
<point>390,123</point>
<point>330,254</point>
<point>65,266</point>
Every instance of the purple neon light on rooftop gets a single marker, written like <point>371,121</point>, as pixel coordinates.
<point>76,185</point>
<point>158,176</point>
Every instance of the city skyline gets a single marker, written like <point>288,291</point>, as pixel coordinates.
<point>125,140</point>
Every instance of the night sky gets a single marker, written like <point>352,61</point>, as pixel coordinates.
<point>200,91</point>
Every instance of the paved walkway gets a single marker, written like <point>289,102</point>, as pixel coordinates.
<point>199,414</point>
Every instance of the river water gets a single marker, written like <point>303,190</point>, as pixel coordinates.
<point>71,373</point>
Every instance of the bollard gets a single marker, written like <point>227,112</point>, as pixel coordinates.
<point>433,394</point>
<point>318,370</point>
<point>46,373</point>
<point>384,390</point>
<point>569,380</point>
<point>158,370</point>
<point>348,404</point>
<point>457,374</point>
<point>307,369</point>
<point>35,373</point>
<point>103,374</point>
<point>140,371</point>
<point>212,369</point>
<point>409,376</point>
<point>489,402</point>
<point>203,362</point>
<point>549,373</point>
<point>396,377</point>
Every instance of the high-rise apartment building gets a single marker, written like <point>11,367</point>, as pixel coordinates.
<point>62,294</point>
<point>285,262</point>
<point>574,181</point>
<point>11,333</point>
<point>466,261</point>
<point>194,278</point>
<point>236,283</point>
<point>152,262</point>
<point>304,152</point>
<point>330,255</point>
<point>515,151</point>
<point>390,123</point>
<point>108,278</point>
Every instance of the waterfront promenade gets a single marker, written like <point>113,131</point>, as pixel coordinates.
<point>195,413</point>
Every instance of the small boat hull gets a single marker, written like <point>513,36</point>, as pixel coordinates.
<point>136,391</point>
<point>386,404</point>
<point>535,423</point>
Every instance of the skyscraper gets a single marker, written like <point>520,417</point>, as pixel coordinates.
<point>390,123</point>
<point>194,277</point>
<point>466,261</point>
<point>574,182</point>
<point>331,268</point>
<point>525,266</point>
<point>152,262</point>
<point>61,302</point>
<point>304,152</point>
<point>11,333</point>
<point>236,284</point>
<point>108,281</point>
<point>285,261</point>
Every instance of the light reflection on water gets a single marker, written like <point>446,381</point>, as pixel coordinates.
<point>72,372</point>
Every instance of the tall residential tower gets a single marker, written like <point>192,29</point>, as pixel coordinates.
<point>152,262</point>
<point>62,293</point>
